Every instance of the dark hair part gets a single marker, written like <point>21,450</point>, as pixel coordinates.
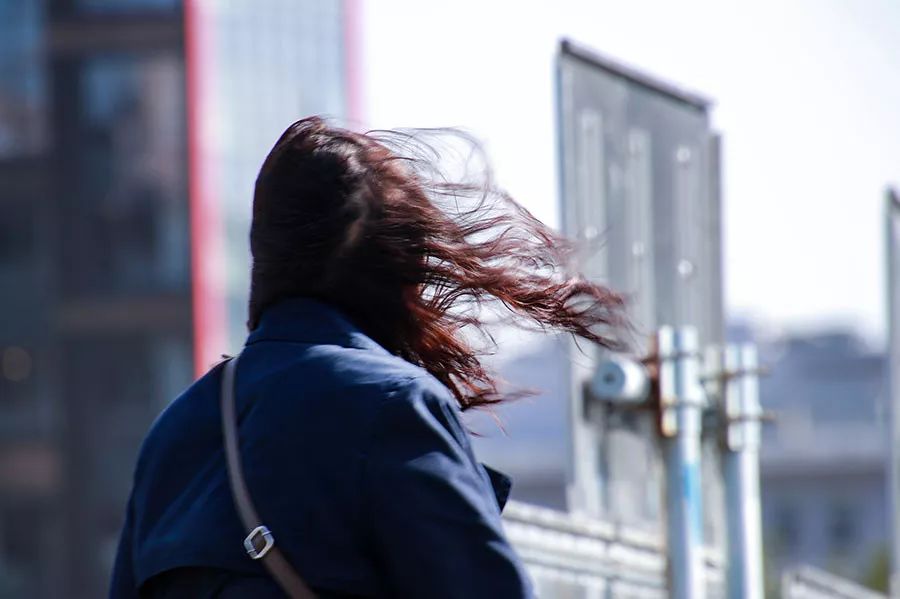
<point>366,223</point>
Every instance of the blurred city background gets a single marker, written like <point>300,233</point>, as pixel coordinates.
<point>130,136</point>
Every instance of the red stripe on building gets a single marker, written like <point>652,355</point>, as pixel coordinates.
<point>207,256</point>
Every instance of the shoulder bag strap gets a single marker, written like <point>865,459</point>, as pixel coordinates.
<point>259,543</point>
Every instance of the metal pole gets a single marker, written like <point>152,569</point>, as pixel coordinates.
<point>892,380</point>
<point>681,405</point>
<point>741,468</point>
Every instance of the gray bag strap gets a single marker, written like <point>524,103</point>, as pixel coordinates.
<point>259,543</point>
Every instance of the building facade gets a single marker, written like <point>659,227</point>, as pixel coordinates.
<point>127,127</point>
<point>823,460</point>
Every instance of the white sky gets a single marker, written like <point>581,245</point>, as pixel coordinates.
<point>807,96</point>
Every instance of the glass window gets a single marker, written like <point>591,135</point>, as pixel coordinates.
<point>787,527</point>
<point>22,543</point>
<point>127,6</point>
<point>21,415</point>
<point>23,270</point>
<point>108,414</point>
<point>16,234</point>
<point>22,79</point>
<point>127,218</point>
<point>113,409</point>
<point>842,527</point>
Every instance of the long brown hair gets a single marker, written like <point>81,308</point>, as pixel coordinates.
<point>369,224</point>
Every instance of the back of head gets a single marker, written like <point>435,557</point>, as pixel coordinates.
<point>356,220</point>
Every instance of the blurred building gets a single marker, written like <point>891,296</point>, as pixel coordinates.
<point>823,461</point>
<point>130,135</point>
<point>528,439</point>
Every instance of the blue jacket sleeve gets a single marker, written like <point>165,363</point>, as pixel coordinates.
<point>433,518</point>
<point>123,585</point>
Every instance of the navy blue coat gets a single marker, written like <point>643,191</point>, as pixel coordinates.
<point>355,459</point>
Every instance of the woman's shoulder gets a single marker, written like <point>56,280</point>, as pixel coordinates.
<point>335,370</point>
<point>329,383</point>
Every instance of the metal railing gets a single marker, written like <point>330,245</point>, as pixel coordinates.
<point>569,555</point>
<point>573,555</point>
<point>809,583</point>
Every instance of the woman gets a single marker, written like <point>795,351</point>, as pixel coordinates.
<point>367,277</point>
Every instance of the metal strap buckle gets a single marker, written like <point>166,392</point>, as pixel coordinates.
<point>250,543</point>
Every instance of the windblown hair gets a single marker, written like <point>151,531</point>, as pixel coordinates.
<point>368,224</point>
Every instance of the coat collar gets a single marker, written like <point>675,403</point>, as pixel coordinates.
<point>307,320</point>
<point>501,484</point>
